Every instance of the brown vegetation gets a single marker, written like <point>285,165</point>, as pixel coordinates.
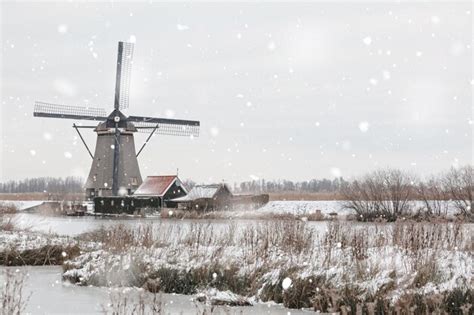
<point>420,244</point>
<point>381,194</point>
<point>46,255</point>
<point>12,299</point>
<point>7,222</point>
<point>390,194</point>
<point>123,304</point>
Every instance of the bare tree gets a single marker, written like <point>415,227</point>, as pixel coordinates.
<point>433,196</point>
<point>385,194</point>
<point>458,183</point>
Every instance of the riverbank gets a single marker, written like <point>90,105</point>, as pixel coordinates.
<point>397,266</point>
<point>324,266</point>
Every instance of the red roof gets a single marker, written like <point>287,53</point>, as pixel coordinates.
<point>155,185</point>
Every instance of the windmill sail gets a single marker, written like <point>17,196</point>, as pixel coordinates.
<point>170,127</point>
<point>43,109</point>
<point>124,71</point>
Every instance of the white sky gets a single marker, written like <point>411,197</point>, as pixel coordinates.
<point>282,90</point>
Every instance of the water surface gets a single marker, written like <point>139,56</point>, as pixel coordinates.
<point>49,295</point>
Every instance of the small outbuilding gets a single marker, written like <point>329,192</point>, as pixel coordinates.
<point>206,198</point>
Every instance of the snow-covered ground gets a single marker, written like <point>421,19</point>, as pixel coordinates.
<point>381,256</point>
<point>308,208</point>
<point>20,241</point>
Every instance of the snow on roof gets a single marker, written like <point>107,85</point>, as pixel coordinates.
<point>201,192</point>
<point>155,185</point>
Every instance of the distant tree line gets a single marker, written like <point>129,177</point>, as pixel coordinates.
<point>277,186</point>
<point>44,184</point>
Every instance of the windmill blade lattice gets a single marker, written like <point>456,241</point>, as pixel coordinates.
<point>43,109</point>
<point>168,129</point>
<point>124,72</point>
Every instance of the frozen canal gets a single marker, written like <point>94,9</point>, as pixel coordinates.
<point>73,226</point>
<point>49,295</point>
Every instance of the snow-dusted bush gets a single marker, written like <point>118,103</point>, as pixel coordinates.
<point>385,194</point>
<point>459,184</point>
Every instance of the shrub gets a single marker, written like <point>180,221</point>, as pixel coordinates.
<point>459,184</point>
<point>383,194</point>
<point>12,299</point>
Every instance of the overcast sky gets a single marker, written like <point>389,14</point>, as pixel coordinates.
<point>282,90</point>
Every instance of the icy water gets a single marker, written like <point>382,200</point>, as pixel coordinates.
<point>73,226</point>
<point>49,295</point>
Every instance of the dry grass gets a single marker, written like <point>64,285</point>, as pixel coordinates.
<point>122,303</point>
<point>191,214</point>
<point>12,298</point>
<point>7,222</point>
<point>44,256</point>
<point>260,246</point>
<point>7,209</point>
<point>120,237</point>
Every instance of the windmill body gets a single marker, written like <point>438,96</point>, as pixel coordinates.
<point>115,170</point>
<point>100,179</point>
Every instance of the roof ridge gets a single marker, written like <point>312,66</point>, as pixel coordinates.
<point>163,176</point>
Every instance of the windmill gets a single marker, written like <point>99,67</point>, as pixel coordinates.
<point>115,169</point>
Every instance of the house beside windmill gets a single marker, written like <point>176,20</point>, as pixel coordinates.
<point>154,193</point>
<point>206,198</point>
<point>165,188</point>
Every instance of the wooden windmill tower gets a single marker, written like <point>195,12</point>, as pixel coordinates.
<point>115,169</point>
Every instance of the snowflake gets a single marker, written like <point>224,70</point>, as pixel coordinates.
<point>214,131</point>
<point>367,40</point>
<point>62,28</point>
<point>271,46</point>
<point>286,284</point>
<point>181,27</point>
<point>364,126</point>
